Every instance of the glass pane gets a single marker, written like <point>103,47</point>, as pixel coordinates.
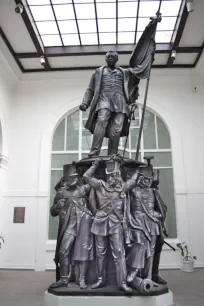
<point>85,11</point>
<point>51,40</point>
<point>127,9</point>
<point>149,131</point>
<point>85,114</point>
<point>121,153</point>
<point>133,154</point>
<point>71,40</point>
<point>61,1</point>
<point>73,131</point>
<point>64,11</point>
<point>163,135</point>
<point>48,27</point>
<point>142,23</point>
<point>35,2</point>
<point>134,133</point>
<point>58,160</point>
<point>67,26</point>
<point>83,1</point>
<point>42,12</point>
<point>166,189</point>
<point>87,26</point>
<point>123,141</point>
<point>163,37</point>
<point>170,8</point>
<point>148,9</point>
<point>89,39</point>
<point>135,123</point>
<point>161,159</point>
<point>126,24</point>
<point>139,34</point>
<point>105,142</point>
<point>167,23</point>
<point>105,25</point>
<point>126,37</point>
<point>104,153</point>
<point>107,38</point>
<point>106,10</point>
<point>53,222</point>
<point>86,140</point>
<point>105,0</point>
<point>84,155</point>
<point>58,138</point>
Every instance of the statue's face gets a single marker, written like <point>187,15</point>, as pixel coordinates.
<point>145,182</point>
<point>114,178</point>
<point>72,181</point>
<point>111,59</point>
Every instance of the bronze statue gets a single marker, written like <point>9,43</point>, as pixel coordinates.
<point>147,214</point>
<point>110,94</point>
<point>113,89</point>
<point>117,206</point>
<point>75,241</point>
<point>108,203</point>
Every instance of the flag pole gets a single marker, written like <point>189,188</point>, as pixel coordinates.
<point>158,19</point>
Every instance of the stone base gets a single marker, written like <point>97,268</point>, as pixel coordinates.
<point>160,300</point>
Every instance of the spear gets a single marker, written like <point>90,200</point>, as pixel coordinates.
<point>156,19</point>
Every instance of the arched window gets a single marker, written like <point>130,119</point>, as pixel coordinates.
<point>72,142</point>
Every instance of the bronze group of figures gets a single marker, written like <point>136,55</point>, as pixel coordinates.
<point>104,212</point>
<point>126,216</point>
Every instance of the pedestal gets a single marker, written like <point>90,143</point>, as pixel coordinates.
<point>160,300</point>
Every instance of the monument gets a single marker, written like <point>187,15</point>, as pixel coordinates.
<point>111,216</point>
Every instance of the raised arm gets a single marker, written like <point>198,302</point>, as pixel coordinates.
<point>129,184</point>
<point>88,96</point>
<point>88,175</point>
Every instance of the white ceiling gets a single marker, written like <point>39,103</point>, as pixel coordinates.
<point>14,28</point>
<point>193,34</point>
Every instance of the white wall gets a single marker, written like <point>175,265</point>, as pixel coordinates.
<point>6,83</point>
<point>39,102</point>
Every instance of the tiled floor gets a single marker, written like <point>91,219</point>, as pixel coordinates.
<point>26,288</point>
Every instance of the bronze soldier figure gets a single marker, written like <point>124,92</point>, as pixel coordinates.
<point>146,218</point>
<point>108,203</point>
<point>75,241</point>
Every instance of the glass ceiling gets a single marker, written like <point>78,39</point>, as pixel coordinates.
<point>94,22</point>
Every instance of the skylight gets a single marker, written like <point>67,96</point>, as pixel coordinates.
<point>94,22</point>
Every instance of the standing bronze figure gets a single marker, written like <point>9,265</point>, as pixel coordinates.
<point>75,241</point>
<point>108,203</point>
<point>112,89</point>
<point>147,214</point>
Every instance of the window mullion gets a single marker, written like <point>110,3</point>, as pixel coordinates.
<point>80,135</point>
<point>65,134</point>
<point>156,134</point>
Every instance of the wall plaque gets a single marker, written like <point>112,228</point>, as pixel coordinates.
<point>19,215</point>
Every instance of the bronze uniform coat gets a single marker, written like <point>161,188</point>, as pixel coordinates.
<point>93,91</point>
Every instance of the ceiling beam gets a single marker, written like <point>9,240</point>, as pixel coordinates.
<point>94,67</point>
<point>75,51</point>
<point>178,32</point>
<point>199,55</point>
<point>32,33</point>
